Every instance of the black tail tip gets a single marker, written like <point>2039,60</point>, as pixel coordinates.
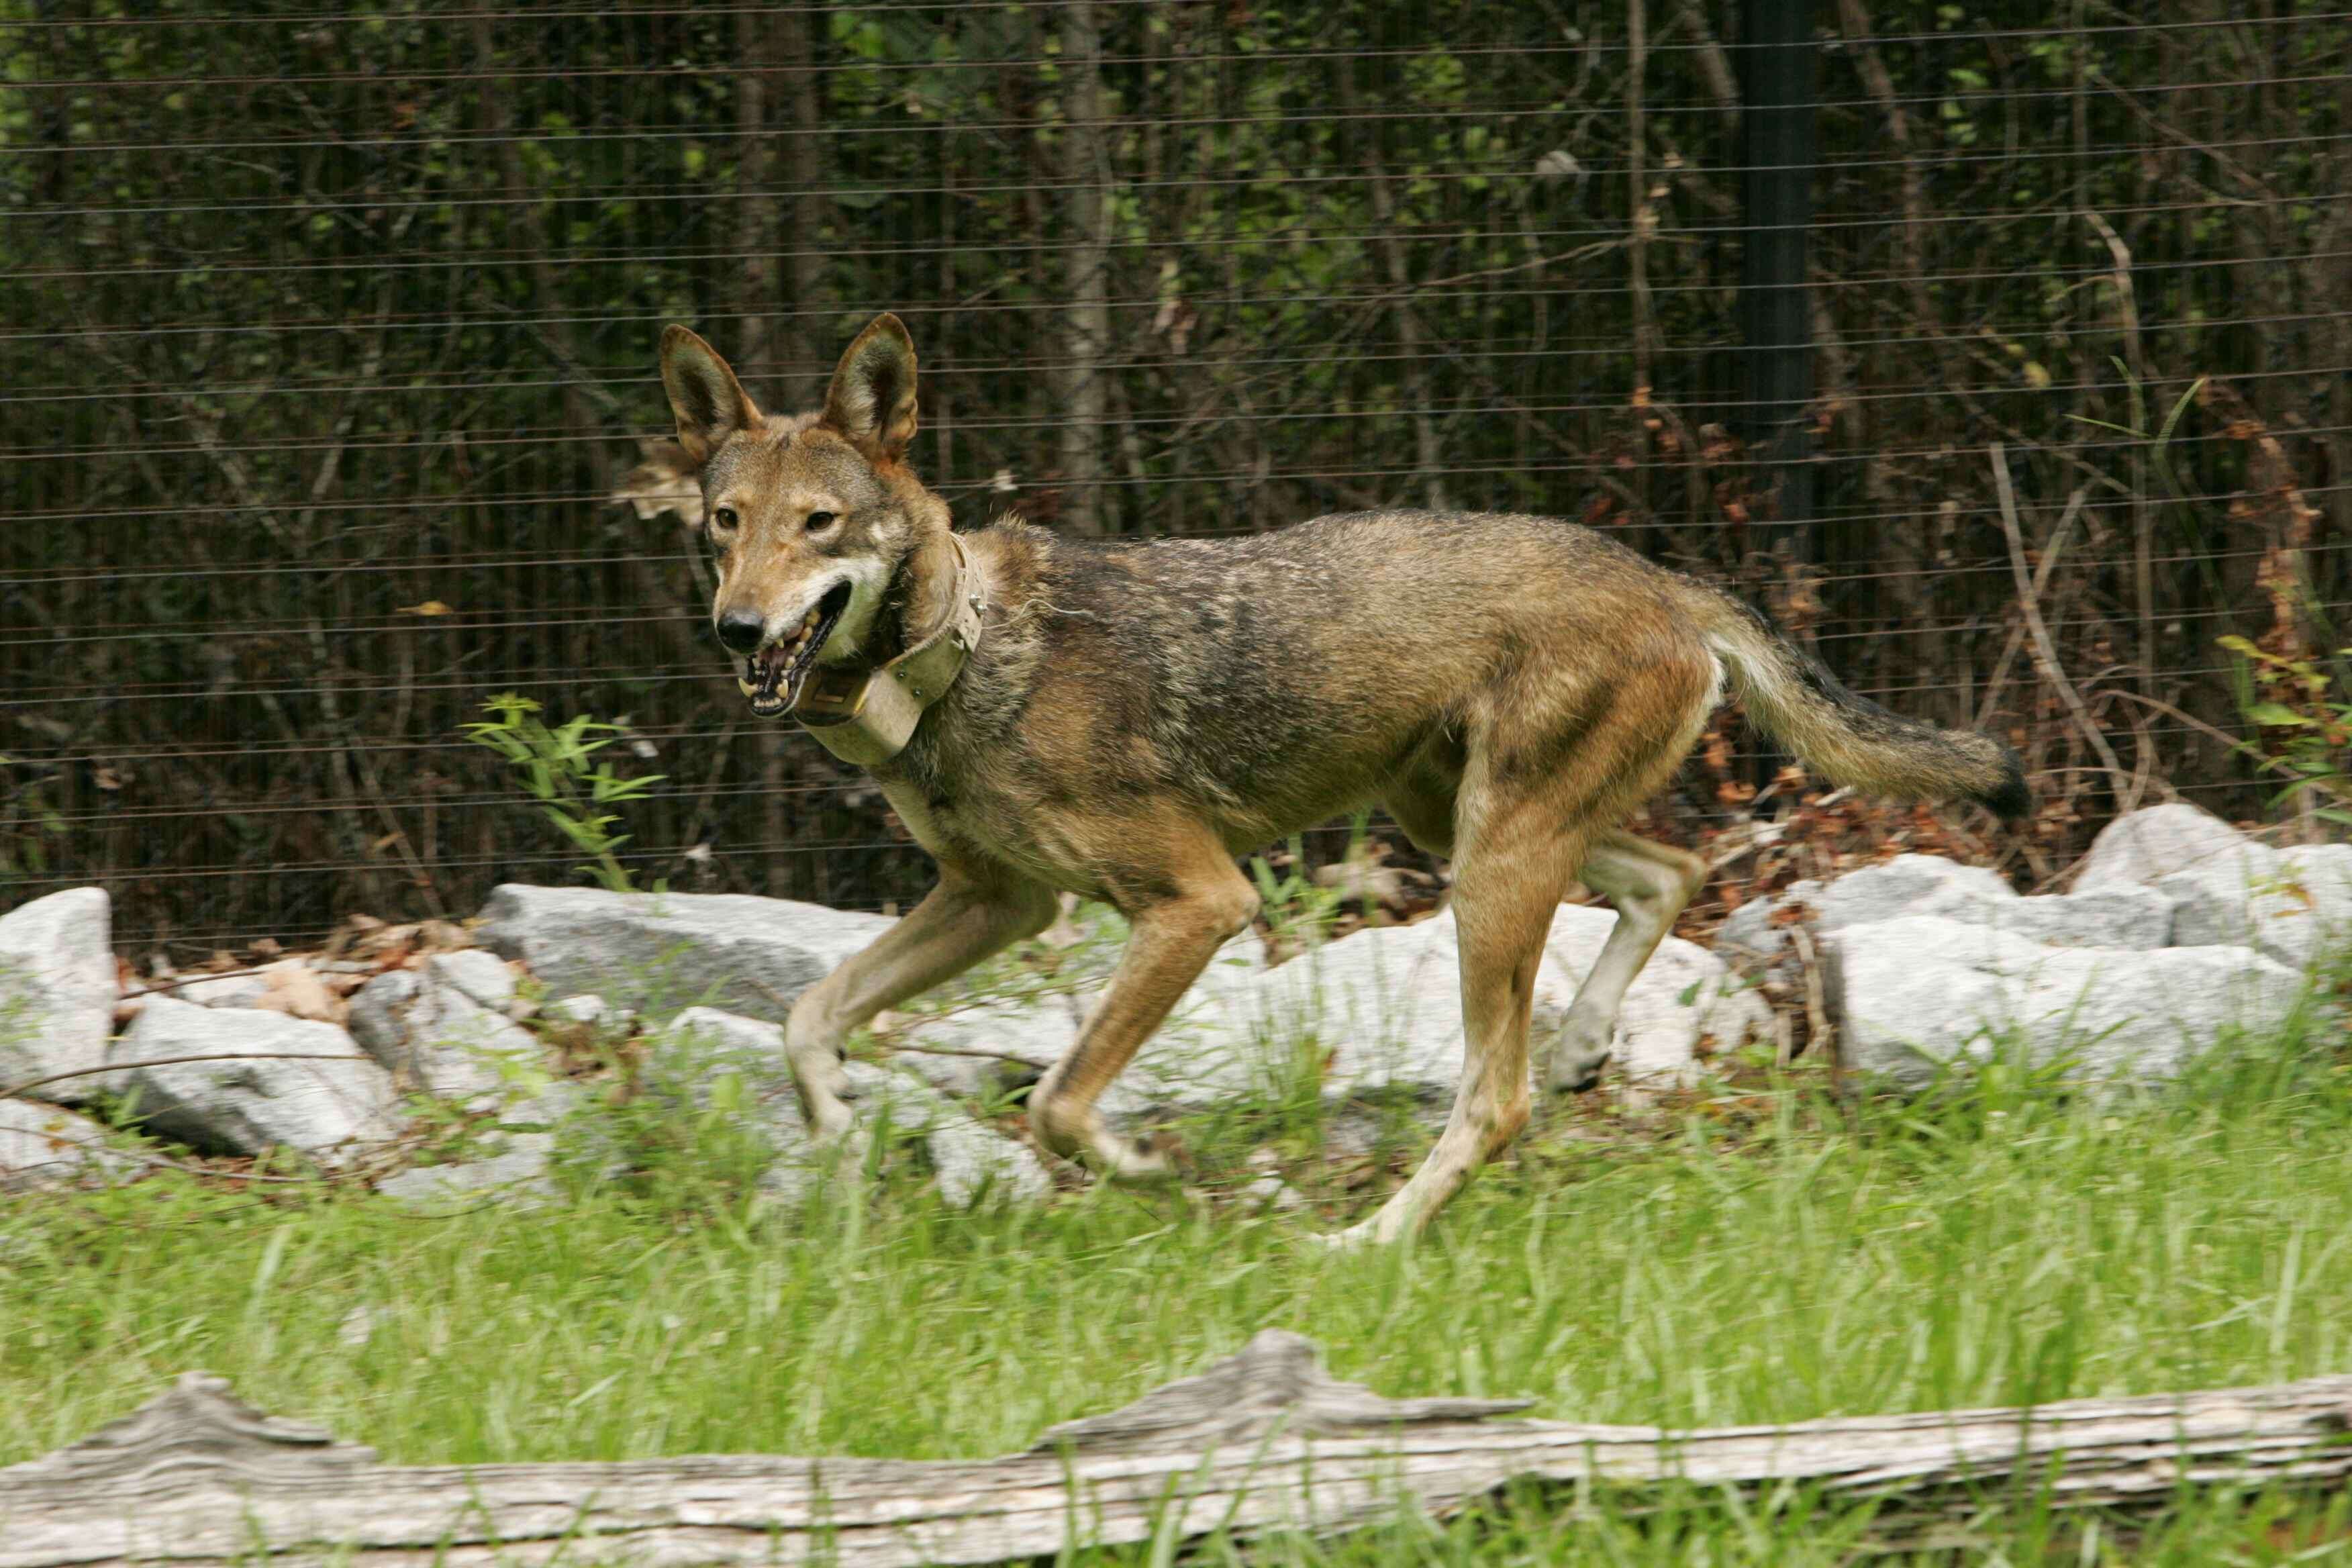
<point>2012,798</point>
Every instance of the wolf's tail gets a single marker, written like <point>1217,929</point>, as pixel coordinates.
<point>1847,739</point>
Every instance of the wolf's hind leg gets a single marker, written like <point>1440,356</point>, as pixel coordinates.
<point>973,912</point>
<point>1649,884</point>
<point>1514,868</point>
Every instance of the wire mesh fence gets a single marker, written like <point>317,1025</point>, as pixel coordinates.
<point>331,329</point>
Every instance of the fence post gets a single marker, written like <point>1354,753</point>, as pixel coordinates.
<point>1776,207</point>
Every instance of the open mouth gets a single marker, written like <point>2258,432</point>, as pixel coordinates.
<point>772,678</point>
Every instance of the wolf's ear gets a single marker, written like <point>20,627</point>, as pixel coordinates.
<point>710,402</point>
<point>872,398</point>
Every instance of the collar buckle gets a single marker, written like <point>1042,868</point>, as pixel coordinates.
<point>868,719</point>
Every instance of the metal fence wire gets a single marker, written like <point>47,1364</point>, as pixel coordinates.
<point>330,328</point>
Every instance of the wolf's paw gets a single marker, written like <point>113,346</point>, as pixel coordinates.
<point>1139,1162</point>
<point>825,1089</point>
<point>1088,1140</point>
<point>1575,1068</point>
<point>1354,1238</point>
<point>1357,1237</point>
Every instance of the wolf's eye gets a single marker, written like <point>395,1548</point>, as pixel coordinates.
<point>725,519</point>
<point>819,519</point>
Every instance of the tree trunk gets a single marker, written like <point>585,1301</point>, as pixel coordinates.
<point>1083,396</point>
<point>753,265</point>
<point>807,341</point>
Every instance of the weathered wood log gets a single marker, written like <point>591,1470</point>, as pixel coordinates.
<point>1263,1440</point>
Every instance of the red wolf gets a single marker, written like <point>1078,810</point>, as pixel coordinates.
<point>1119,721</point>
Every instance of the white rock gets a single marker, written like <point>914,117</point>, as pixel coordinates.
<point>2145,846</point>
<point>244,1106</point>
<point>703,1037</point>
<point>1272,1192</point>
<point>57,991</point>
<point>972,1162</point>
<point>1750,935</point>
<point>222,991</point>
<point>907,1103</point>
<point>2114,915</point>
<point>557,1102</point>
<point>1382,1011</point>
<point>437,1038</point>
<point>481,976</point>
<point>43,1146</point>
<point>1906,885</point>
<point>2117,915</point>
<point>1919,991</point>
<point>1684,996</point>
<point>975,1163</point>
<point>684,1062</point>
<point>518,1171</point>
<point>589,1008</point>
<point>640,948</point>
<point>1914,885</point>
<point>1383,1004</point>
<point>2293,905</point>
<point>1038,1029</point>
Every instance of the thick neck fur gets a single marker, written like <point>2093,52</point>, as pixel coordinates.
<point>922,586</point>
<point>971,729</point>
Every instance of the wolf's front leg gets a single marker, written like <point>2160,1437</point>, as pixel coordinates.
<point>973,912</point>
<point>1171,941</point>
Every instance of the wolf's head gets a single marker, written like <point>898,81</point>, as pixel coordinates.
<point>811,522</point>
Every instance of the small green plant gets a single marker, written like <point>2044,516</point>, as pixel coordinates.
<point>1299,911</point>
<point>29,824</point>
<point>2303,724</point>
<point>560,768</point>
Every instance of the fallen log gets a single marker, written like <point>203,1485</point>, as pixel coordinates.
<point>1263,1440</point>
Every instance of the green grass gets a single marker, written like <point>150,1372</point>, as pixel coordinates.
<point>1757,1255</point>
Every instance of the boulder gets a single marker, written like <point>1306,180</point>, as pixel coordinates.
<point>1915,993</point>
<point>518,1172</point>
<point>1271,1191</point>
<point>1382,1007</point>
<point>749,955</point>
<point>2293,905</point>
<point>2227,889</point>
<point>44,1146</point>
<point>683,1062</point>
<point>971,1162</point>
<point>1038,1029</point>
<point>483,978</point>
<point>257,1098</point>
<point>2113,915</point>
<point>2143,848</point>
<point>1908,884</point>
<point>2119,915</point>
<point>57,991</point>
<point>587,1009</point>
<point>974,1164</point>
<point>1686,1004</point>
<point>1379,1012</point>
<point>440,1039</point>
<point>244,990</point>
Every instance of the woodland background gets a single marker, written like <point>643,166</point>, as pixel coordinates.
<point>328,328</point>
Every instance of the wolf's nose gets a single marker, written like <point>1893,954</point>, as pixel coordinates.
<point>741,632</point>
